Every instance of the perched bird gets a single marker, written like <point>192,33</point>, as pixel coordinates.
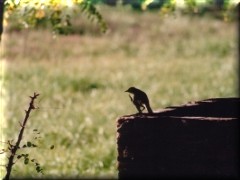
<point>139,99</point>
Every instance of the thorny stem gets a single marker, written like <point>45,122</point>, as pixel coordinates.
<point>14,148</point>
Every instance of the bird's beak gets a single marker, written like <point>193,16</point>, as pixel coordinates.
<point>126,91</point>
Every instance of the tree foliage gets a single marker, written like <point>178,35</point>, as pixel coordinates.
<point>58,14</point>
<point>54,13</point>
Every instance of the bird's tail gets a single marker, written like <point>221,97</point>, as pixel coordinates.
<point>149,108</point>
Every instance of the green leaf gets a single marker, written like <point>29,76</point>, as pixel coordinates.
<point>52,147</point>
<point>35,130</point>
<point>29,144</point>
<point>38,168</point>
<point>19,156</point>
<point>26,160</point>
<point>34,145</point>
<point>26,155</point>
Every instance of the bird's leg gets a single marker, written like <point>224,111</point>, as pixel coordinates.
<point>142,107</point>
<point>138,106</point>
<point>139,109</point>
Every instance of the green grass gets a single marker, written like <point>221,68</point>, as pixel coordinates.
<point>82,80</point>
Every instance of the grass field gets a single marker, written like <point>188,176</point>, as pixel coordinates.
<point>82,79</point>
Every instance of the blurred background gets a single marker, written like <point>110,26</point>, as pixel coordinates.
<point>176,51</point>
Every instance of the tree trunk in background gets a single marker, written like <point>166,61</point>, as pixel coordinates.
<point>198,139</point>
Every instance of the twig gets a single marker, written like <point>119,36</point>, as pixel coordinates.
<point>14,148</point>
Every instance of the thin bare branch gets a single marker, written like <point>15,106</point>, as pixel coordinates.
<point>14,148</point>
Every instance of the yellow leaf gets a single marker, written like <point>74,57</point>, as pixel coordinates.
<point>40,14</point>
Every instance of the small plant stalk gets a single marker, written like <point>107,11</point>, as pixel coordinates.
<point>14,148</point>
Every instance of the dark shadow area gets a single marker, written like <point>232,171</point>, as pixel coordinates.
<point>198,139</point>
<point>218,107</point>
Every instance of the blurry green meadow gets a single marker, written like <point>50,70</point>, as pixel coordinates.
<point>82,77</point>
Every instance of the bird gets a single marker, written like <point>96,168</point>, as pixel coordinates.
<point>139,99</point>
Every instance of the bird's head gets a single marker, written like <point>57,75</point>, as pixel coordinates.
<point>131,90</point>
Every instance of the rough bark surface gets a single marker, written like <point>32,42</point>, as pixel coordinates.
<point>199,139</point>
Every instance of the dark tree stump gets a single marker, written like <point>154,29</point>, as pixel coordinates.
<point>198,139</point>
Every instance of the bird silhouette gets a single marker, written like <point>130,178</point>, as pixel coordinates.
<point>139,99</point>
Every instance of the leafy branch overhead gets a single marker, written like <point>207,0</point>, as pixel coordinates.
<point>58,14</point>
